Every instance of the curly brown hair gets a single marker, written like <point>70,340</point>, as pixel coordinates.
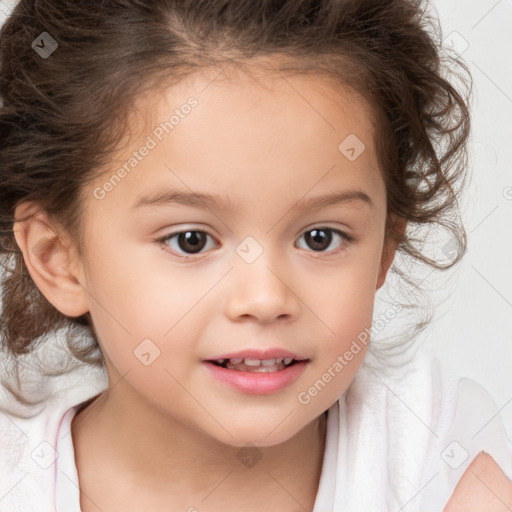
<point>55,134</point>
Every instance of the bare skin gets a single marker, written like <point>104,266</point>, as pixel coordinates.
<point>166,436</point>
<point>229,484</point>
<point>484,487</point>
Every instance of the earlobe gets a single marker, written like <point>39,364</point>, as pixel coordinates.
<point>48,261</point>
<point>385,264</point>
<point>389,250</point>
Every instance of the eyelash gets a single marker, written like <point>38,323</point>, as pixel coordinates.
<point>348,240</point>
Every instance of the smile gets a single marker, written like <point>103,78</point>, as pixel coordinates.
<point>256,376</point>
<point>255,365</point>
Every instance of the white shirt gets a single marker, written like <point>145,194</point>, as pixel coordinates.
<point>399,443</point>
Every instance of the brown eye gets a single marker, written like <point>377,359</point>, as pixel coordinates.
<point>320,239</point>
<point>190,241</point>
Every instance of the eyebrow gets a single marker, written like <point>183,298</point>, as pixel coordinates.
<point>215,202</point>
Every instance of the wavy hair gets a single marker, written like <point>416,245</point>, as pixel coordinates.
<point>55,134</point>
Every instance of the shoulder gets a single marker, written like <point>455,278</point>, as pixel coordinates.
<point>477,425</point>
<point>484,487</point>
<point>470,450</point>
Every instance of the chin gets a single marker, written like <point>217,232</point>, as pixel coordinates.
<point>260,437</point>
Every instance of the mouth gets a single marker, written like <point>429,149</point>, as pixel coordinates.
<point>254,371</point>
<point>257,365</point>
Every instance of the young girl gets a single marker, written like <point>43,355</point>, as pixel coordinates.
<point>215,191</point>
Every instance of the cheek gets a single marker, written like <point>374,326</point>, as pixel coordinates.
<point>346,310</point>
<point>145,313</point>
<point>346,300</point>
<point>137,289</point>
<point>349,317</point>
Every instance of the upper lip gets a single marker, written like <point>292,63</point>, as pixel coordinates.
<point>273,353</point>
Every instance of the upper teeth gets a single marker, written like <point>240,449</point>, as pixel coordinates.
<point>258,362</point>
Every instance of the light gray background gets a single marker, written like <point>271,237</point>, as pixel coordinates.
<point>475,336</point>
<point>472,330</point>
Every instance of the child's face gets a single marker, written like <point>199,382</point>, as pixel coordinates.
<point>261,278</point>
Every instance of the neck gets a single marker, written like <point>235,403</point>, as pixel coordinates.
<point>163,456</point>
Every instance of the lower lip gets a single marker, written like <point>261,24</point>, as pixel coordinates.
<point>257,383</point>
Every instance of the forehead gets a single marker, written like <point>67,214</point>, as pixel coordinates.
<point>315,97</point>
<point>247,128</point>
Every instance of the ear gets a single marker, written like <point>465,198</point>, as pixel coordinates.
<point>48,259</point>
<point>390,245</point>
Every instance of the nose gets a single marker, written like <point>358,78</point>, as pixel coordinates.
<point>261,291</point>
